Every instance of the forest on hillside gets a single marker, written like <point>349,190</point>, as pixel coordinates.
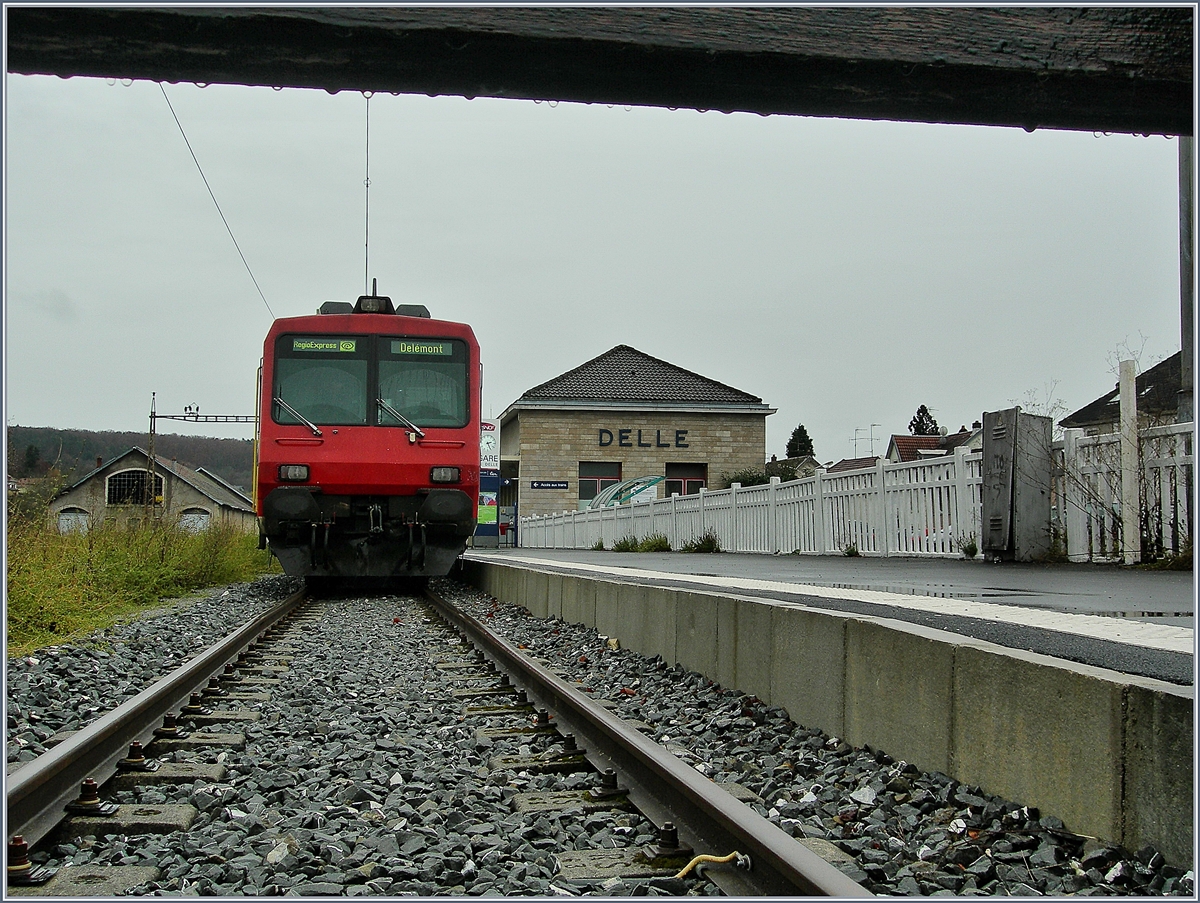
<point>34,450</point>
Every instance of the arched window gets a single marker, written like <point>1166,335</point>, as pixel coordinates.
<point>194,520</point>
<point>128,487</point>
<point>72,520</point>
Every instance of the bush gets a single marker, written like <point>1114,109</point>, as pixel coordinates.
<point>851,551</point>
<point>970,548</point>
<point>62,586</point>
<point>626,544</point>
<point>655,542</point>
<point>1057,553</point>
<point>747,477</point>
<point>1171,561</point>
<point>599,546</point>
<point>709,542</point>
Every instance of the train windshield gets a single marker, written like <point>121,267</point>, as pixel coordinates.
<point>322,378</point>
<point>425,380</point>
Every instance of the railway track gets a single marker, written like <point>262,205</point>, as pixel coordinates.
<point>378,746</point>
<point>582,797</point>
<point>706,817</point>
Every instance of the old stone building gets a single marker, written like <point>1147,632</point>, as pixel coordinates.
<point>622,415</point>
<point>195,499</point>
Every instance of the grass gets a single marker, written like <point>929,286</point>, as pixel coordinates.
<point>1171,561</point>
<point>709,542</point>
<point>655,542</point>
<point>61,586</point>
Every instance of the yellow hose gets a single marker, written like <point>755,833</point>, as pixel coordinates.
<point>705,858</point>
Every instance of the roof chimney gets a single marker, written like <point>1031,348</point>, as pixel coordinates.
<point>99,462</point>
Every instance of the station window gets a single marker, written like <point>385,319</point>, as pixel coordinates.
<point>685,479</point>
<point>597,475</point>
<point>129,488</point>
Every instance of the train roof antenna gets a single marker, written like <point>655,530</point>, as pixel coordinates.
<point>367,197</point>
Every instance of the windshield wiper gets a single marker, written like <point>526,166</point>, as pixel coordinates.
<point>287,407</point>
<point>404,421</point>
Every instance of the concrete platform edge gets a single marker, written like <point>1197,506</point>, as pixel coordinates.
<point>1109,753</point>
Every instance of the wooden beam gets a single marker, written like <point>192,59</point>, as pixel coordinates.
<point>1102,68</point>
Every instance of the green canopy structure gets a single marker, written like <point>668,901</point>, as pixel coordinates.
<point>623,492</point>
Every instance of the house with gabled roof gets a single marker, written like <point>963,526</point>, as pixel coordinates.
<point>848,464</point>
<point>1157,391</point>
<point>621,415</point>
<point>118,490</point>
<point>903,448</point>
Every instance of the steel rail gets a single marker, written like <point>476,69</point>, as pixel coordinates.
<point>706,815</point>
<point>38,791</point>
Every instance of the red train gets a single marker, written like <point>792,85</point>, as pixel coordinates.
<point>367,449</point>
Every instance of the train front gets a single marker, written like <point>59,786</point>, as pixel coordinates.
<point>368,448</point>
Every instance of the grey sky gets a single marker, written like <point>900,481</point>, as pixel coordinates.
<point>845,271</point>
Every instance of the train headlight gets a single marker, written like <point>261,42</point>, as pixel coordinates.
<point>293,473</point>
<point>444,475</point>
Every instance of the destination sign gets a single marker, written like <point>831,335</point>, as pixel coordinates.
<point>324,344</point>
<point>548,484</point>
<point>410,346</point>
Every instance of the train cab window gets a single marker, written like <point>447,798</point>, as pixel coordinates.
<point>322,378</point>
<point>425,380</point>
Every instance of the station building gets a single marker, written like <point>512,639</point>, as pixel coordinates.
<point>117,492</point>
<point>622,415</point>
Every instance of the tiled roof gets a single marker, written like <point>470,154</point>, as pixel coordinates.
<point>1157,393</point>
<point>853,464</point>
<point>202,481</point>
<point>627,375</point>
<point>910,448</point>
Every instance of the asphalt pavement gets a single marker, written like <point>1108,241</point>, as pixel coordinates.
<point>1137,621</point>
<point>1094,589</point>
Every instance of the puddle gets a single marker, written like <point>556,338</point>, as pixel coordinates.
<point>935,591</point>
<point>944,591</point>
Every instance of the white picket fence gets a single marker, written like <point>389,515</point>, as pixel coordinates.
<point>1087,492</point>
<point>926,508</point>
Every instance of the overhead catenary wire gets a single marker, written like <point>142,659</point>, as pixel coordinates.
<point>214,199</point>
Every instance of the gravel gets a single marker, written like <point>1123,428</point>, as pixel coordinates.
<point>65,688</point>
<point>908,832</point>
<point>361,779</point>
<point>364,778</point>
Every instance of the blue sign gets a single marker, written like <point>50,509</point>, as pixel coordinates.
<point>548,484</point>
<point>489,488</point>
